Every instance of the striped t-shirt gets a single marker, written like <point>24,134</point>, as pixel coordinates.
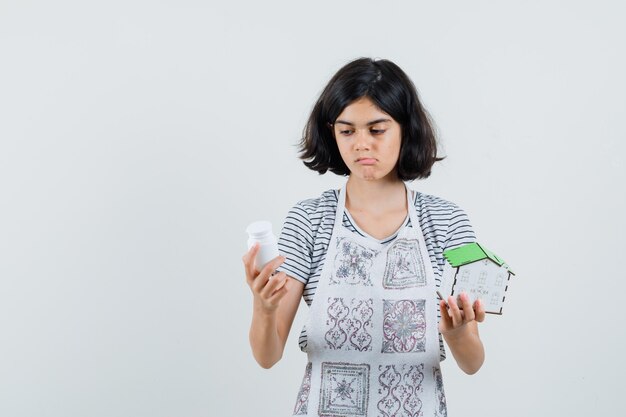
<point>309,224</point>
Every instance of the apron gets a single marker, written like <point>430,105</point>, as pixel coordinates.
<point>372,330</point>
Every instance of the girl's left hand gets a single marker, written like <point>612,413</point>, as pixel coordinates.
<point>454,320</point>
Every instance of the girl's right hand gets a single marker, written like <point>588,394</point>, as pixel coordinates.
<point>267,289</point>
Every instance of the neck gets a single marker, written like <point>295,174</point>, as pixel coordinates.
<point>380,195</point>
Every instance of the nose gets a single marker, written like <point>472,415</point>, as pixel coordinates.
<point>363,140</point>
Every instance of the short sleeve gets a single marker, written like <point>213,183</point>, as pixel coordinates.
<point>460,231</point>
<point>295,243</point>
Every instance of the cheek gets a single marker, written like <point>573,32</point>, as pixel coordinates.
<point>340,147</point>
<point>393,153</point>
<point>343,151</point>
<point>392,149</point>
<point>397,143</point>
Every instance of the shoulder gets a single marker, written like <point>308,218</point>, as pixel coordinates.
<point>311,213</point>
<point>444,220</point>
<point>313,208</point>
<point>428,203</point>
<point>328,197</point>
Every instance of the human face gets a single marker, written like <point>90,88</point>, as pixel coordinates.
<point>368,140</point>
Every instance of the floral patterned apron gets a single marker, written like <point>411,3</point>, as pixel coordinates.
<point>372,331</point>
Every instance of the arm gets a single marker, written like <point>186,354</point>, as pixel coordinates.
<point>459,328</point>
<point>275,303</point>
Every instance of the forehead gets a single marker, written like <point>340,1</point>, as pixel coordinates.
<point>362,110</point>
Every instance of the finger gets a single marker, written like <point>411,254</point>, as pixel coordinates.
<point>271,266</point>
<point>248,261</point>
<point>467,308</point>
<point>479,307</point>
<point>284,285</point>
<point>261,279</point>
<point>251,252</point>
<point>281,277</point>
<point>274,284</point>
<point>454,312</point>
<point>278,295</point>
<point>445,316</point>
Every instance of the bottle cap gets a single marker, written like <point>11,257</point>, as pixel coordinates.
<point>259,229</point>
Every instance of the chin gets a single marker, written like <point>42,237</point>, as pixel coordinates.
<point>369,177</point>
<point>374,175</point>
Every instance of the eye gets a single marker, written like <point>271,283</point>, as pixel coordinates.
<point>345,132</point>
<point>377,131</point>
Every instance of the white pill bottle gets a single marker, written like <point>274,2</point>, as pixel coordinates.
<point>261,232</point>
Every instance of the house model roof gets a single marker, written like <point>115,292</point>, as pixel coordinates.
<point>472,252</point>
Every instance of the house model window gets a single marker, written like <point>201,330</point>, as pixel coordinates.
<point>480,273</point>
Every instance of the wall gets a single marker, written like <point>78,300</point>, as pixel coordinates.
<point>138,139</point>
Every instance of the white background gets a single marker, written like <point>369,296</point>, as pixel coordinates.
<point>139,138</point>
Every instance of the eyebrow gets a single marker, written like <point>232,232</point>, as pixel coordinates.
<point>373,122</point>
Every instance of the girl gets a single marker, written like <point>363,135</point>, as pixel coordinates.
<point>367,259</point>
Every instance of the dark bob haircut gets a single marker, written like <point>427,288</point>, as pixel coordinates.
<point>394,93</point>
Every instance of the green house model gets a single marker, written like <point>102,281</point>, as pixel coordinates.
<point>480,273</point>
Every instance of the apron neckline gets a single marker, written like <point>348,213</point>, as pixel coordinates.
<point>411,216</point>
<point>385,240</point>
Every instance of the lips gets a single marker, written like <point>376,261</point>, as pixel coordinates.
<point>366,161</point>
